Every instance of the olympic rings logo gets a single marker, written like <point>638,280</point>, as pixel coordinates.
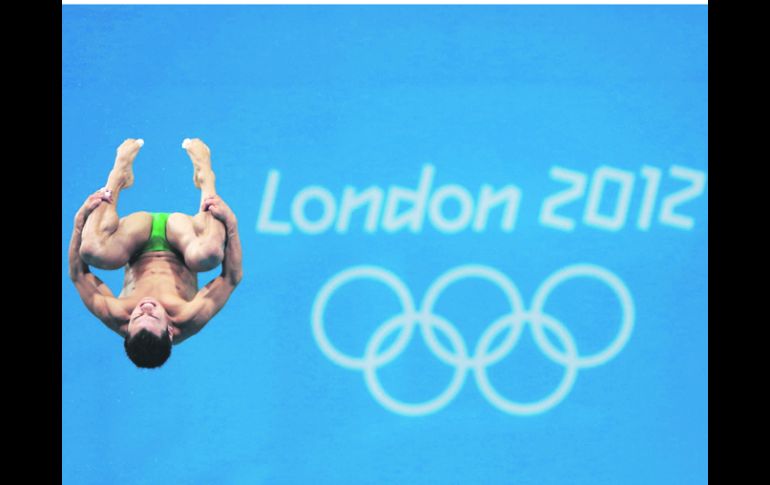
<point>514,323</point>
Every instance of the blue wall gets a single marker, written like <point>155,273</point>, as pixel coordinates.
<point>589,123</point>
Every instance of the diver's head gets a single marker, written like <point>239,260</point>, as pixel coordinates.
<point>148,343</point>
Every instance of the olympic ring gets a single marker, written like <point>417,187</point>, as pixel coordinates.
<point>514,323</point>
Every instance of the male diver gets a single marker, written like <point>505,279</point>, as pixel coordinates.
<point>160,304</point>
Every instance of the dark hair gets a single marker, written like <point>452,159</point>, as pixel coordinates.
<point>145,349</point>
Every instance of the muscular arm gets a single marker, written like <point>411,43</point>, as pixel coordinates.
<point>212,297</point>
<point>95,294</point>
<point>232,264</point>
<point>80,273</point>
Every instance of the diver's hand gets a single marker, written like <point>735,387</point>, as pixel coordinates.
<point>219,209</point>
<point>92,202</point>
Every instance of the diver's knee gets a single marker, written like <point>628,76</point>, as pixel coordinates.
<point>89,252</point>
<point>95,254</point>
<point>205,257</point>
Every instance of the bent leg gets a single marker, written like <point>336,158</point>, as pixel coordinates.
<point>200,238</point>
<point>111,244</point>
<point>109,241</point>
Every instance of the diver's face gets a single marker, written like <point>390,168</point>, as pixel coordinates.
<point>148,315</point>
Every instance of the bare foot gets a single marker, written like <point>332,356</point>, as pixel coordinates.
<point>200,154</point>
<point>122,174</point>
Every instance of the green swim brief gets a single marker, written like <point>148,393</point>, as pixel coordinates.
<point>157,240</point>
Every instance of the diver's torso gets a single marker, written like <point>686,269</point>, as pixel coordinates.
<point>161,275</point>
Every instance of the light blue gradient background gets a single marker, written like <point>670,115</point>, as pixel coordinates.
<point>361,96</point>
